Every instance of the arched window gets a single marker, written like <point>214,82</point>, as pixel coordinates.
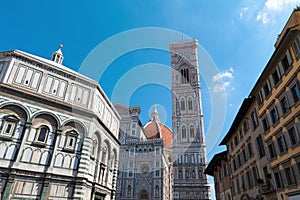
<point>192,132</point>
<point>132,151</point>
<point>144,195</point>
<point>156,190</point>
<point>190,104</point>
<point>71,140</point>
<point>183,132</point>
<point>179,173</point>
<point>193,173</point>
<point>104,155</point>
<point>182,104</point>
<point>185,78</point>
<point>200,173</point>
<point>187,173</point>
<point>94,149</point>
<point>41,134</point>
<point>8,125</point>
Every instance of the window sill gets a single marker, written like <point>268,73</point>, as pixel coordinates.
<point>39,144</point>
<point>267,131</point>
<point>276,123</point>
<point>6,137</point>
<point>268,96</point>
<point>286,113</point>
<point>278,83</point>
<point>70,150</point>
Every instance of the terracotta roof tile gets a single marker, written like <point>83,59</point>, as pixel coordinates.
<point>152,131</point>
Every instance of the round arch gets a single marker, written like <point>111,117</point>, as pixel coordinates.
<point>143,195</point>
<point>47,113</point>
<point>76,124</point>
<point>23,110</point>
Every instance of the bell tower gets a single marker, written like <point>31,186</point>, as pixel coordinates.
<point>189,150</point>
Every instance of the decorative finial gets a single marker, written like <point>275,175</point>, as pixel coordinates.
<point>154,114</point>
<point>57,55</point>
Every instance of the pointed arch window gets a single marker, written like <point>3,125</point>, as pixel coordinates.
<point>187,173</point>
<point>185,78</point>
<point>156,190</point>
<point>182,104</point>
<point>183,132</point>
<point>179,173</point>
<point>200,173</point>
<point>104,155</point>
<point>192,131</point>
<point>193,173</point>
<point>190,104</point>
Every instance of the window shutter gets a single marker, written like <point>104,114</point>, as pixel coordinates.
<point>287,139</point>
<point>284,180</point>
<point>257,147</point>
<point>290,98</point>
<point>268,117</point>
<point>280,67</point>
<point>296,172</point>
<point>297,129</point>
<point>275,145</point>
<point>279,109</point>
<point>288,55</point>
<point>268,153</point>
<point>272,84</point>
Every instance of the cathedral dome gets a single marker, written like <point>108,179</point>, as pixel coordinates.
<point>155,129</point>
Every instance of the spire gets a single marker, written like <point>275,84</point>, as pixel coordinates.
<point>57,55</point>
<point>154,114</point>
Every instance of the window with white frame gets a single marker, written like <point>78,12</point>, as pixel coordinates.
<point>8,125</point>
<point>71,140</point>
<point>41,134</point>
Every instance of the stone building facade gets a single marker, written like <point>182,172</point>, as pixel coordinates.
<point>145,157</point>
<point>189,149</point>
<point>58,131</point>
<point>273,137</point>
<point>218,168</point>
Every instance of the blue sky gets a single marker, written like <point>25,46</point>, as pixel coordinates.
<point>239,36</point>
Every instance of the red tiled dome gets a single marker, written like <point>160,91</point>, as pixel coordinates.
<point>153,130</point>
<point>156,129</point>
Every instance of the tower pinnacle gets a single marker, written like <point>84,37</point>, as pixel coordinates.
<point>57,55</point>
<point>154,114</point>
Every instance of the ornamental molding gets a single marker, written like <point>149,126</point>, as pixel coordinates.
<point>33,109</point>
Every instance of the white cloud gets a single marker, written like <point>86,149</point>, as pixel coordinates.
<point>243,12</point>
<point>263,16</point>
<point>273,7</point>
<point>222,80</point>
